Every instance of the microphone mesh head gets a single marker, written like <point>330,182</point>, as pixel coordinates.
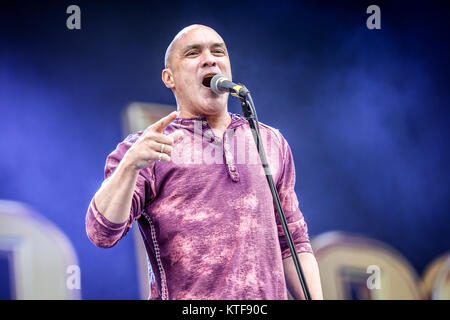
<point>214,81</point>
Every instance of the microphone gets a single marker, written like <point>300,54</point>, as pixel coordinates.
<point>220,84</point>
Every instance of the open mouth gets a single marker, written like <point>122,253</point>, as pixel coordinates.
<point>207,79</point>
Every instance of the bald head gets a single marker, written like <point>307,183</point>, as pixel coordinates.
<point>179,35</point>
<point>196,53</point>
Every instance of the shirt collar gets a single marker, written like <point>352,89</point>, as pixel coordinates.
<point>190,123</point>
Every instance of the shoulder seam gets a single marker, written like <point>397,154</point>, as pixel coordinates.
<point>274,130</point>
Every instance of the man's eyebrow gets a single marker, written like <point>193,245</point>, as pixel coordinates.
<point>197,46</point>
<point>219,44</point>
<point>190,47</point>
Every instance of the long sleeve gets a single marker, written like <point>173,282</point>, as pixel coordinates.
<point>104,233</point>
<point>289,201</point>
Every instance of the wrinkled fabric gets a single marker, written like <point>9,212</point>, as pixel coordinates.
<point>207,218</point>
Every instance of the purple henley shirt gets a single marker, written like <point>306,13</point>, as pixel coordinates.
<point>207,217</point>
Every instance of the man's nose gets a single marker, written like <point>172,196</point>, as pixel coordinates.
<point>208,60</point>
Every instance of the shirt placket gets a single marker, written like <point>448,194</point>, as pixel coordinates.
<point>229,157</point>
<point>209,136</point>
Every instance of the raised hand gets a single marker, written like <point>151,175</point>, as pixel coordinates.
<point>153,144</point>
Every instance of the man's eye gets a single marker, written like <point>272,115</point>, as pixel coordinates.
<point>191,53</point>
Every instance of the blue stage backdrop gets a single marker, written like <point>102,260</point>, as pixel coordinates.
<point>365,111</point>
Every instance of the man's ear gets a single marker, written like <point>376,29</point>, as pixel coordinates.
<point>167,78</point>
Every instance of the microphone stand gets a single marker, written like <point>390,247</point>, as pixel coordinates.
<point>249,111</point>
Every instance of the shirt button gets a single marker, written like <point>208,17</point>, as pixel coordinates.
<point>205,123</point>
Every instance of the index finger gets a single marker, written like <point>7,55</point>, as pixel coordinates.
<point>162,123</point>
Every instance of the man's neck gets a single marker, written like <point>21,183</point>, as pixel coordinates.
<point>219,124</point>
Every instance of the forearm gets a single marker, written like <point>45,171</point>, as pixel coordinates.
<point>114,197</point>
<point>310,270</point>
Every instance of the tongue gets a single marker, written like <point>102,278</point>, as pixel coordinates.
<point>207,81</point>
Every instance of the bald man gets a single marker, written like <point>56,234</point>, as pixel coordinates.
<point>203,206</point>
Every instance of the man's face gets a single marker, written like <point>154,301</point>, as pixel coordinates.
<point>195,57</point>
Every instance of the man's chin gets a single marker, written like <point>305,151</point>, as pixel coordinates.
<point>209,93</point>
<point>215,98</point>
<point>214,105</point>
